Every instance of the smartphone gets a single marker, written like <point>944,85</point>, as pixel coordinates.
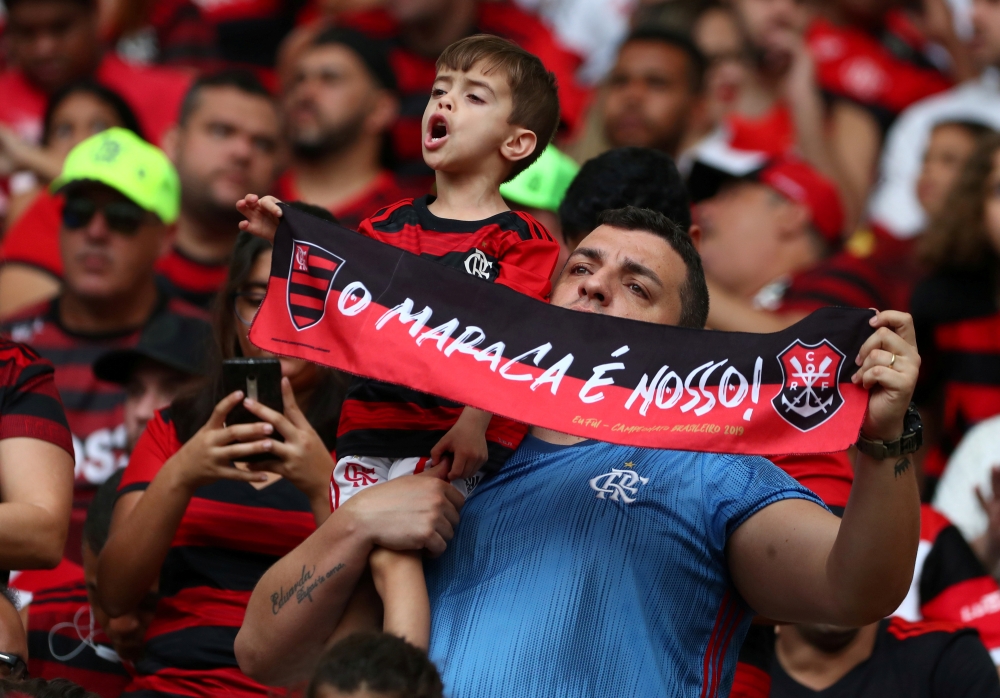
<point>260,380</point>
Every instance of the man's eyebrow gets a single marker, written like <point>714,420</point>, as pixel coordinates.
<point>589,253</point>
<point>633,267</point>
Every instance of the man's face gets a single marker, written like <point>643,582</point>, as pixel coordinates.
<point>985,44</point>
<point>53,41</point>
<point>623,273</point>
<point>650,97</point>
<point>228,146</point>
<point>102,262</point>
<point>770,24</point>
<point>466,119</point>
<point>718,36</point>
<point>151,387</point>
<point>127,633</point>
<point>949,148</point>
<point>741,232</point>
<point>331,96</point>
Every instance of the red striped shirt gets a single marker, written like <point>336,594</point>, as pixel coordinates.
<point>229,536</point>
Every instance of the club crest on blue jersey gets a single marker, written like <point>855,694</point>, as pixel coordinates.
<point>310,278</point>
<point>810,392</point>
<point>620,485</point>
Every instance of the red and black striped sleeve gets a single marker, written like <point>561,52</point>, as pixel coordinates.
<point>527,262</point>
<point>30,405</point>
<point>156,445</point>
<point>842,280</point>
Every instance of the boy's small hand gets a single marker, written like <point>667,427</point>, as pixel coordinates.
<point>262,213</point>
<point>466,442</point>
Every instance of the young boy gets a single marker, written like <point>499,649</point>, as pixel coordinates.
<point>492,110</point>
<point>374,665</point>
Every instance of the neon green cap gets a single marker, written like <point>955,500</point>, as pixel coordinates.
<point>544,184</point>
<point>121,160</point>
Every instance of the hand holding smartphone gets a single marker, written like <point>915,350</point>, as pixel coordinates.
<point>260,380</point>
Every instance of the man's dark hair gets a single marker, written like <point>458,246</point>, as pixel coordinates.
<point>694,292</point>
<point>40,688</point>
<point>697,64</point>
<point>533,90</point>
<point>237,78</point>
<point>371,53</point>
<point>105,94</point>
<point>380,663</point>
<point>622,177</point>
<point>98,523</point>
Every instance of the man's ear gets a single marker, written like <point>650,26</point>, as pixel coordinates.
<point>519,145</point>
<point>793,221</point>
<point>171,140</point>
<point>383,114</point>
<point>695,232</point>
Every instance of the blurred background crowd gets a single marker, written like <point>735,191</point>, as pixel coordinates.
<point>836,153</point>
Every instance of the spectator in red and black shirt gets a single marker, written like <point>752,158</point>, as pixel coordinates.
<point>36,462</point>
<point>114,225</point>
<point>338,111</point>
<point>884,660</point>
<point>955,310</point>
<point>401,30</point>
<point>206,529</point>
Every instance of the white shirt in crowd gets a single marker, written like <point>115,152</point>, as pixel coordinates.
<point>894,204</point>
<point>970,465</point>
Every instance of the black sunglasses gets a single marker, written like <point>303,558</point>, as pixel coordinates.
<point>12,666</point>
<point>122,216</point>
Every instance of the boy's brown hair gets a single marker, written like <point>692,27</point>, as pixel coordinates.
<point>533,89</point>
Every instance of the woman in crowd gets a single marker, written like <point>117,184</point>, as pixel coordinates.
<point>956,310</point>
<point>208,525</point>
<point>30,249</point>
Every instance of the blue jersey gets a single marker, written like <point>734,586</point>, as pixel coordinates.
<point>598,570</point>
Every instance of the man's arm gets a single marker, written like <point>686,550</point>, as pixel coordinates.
<point>795,562</point>
<point>36,483</point>
<point>298,604</point>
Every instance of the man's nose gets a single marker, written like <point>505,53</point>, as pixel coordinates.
<point>97,228</point>
<point>595,288</point>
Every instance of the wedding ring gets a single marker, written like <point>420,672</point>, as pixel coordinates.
<point>892,360</point>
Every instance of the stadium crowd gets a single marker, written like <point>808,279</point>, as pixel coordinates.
<point>732,165</point>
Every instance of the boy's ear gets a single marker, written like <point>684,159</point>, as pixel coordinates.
<point>519,145</point>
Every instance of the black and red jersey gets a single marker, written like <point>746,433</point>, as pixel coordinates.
<point>950,584</point>
<point>828,475</point>
<point>909,660</point>
<point>385,190</point>
<point>94,408</point>
<point>510,248</point>
<point>885,71</point>
<point>415,73</point>
<point>59,618</point>
<point>184,277</point>
<point>29,401</point>
<point>229,536</point>
<point>957,320</point>
<point>841,280</point>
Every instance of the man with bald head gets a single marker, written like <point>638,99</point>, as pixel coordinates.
<point>549,587</point>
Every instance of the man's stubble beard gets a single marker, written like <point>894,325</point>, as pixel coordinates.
<point>330,140</point>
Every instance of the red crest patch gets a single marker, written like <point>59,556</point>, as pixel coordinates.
<point>309,282</point>
<point>810,393</point>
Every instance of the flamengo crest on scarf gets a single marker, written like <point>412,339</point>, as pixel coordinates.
<point>343,300</point>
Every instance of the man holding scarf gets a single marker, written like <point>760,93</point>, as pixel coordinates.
<point>586,568</point>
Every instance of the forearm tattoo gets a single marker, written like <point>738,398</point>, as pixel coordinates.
<point>902,465</point>
<point>302,588</point>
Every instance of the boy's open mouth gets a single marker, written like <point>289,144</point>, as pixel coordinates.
<point>437,132</point>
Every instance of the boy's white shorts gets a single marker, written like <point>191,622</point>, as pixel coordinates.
<point>352,474</point>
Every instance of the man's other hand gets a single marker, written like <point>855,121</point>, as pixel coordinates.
<point>412,512</point>
<point>889,366</point>
<point>263,215</point>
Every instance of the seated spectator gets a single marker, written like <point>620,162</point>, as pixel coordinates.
<point>29,253</point>
<point>540,190</point>
<point>400,30</point>
<point>780,109</point>
<point>40,688</point>
<point>768,229</point>
<point>655,92</point>
<point>875,54</point>
<point>894,204</point>
<point>338,111</point>
<point>36,463</point>
<point>121,197</point>
<point>956,312</point>
<point>890,658</point>
<point>969,491</point>
<point>53,43</point>
<point>226,140</point>
<point>208,530</point>
<point>69,636</point>
<point>375,665</point>
<point>716,33</point>
<point>13,641</point>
